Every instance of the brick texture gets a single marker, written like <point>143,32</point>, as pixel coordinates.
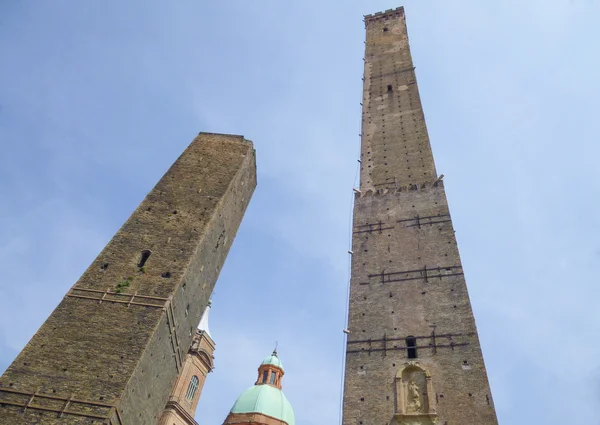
<point>116,355</point>
<point>407,278</point>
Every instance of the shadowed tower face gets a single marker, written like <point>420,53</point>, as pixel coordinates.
<point>112,350</point>
<point>413,356</point>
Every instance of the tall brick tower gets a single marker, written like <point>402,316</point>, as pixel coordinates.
<point>413,355</point>
<point>112,350</point>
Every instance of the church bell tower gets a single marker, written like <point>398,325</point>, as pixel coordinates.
<point>413,355</point>
<point>184,398</point>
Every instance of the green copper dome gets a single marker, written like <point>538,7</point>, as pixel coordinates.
<point>273,360</point>
<point>267,400</point>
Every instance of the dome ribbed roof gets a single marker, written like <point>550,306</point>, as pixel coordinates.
<point>273,360</point>
<point>267,400</point>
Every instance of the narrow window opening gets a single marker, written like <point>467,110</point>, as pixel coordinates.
<point>166,275</point>
<point>389,87</point>
<point>385,29</point>
<point>104,266</point>
<point>411,347</point>
<point>265,376</point>
<point>145,255</point>
<point>273,376</point>
<point>192,388</point>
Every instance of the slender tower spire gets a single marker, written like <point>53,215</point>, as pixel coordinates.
<point>413,354</point>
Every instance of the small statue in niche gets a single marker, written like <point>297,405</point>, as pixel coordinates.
<point>414,397</point>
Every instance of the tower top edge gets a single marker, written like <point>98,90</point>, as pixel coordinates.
<point>242,139</point>
<point>390,13</point>
<point>221,134</point>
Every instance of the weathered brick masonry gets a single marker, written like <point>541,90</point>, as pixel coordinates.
<point>407,278</point>
<point>111,351</point>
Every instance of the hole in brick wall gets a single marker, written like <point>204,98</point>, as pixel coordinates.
<point>144,257</point>
<point>385,29</point>
<point>441,395</point>
<point>454,306</point>
<point>149,209</point>
<point>387,397</point>
<point>389,87</point>
<point>362,399</point>
<point>104,266</point>
<point>167,275</point>
<point>174,211</point>
<point>411,347</point>
<point>470,395</point>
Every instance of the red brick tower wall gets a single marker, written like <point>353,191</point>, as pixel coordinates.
<point>407,278</point>
<point>113,348</point>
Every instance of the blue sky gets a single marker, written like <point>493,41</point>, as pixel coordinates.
<point>97,99</point>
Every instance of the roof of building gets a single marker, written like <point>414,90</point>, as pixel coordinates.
<point>203,325</point>
<point>267,400</point>
<point>273,359</point>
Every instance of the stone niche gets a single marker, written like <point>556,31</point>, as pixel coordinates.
<point>415,399</point>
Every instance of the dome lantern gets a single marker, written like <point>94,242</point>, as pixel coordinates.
<point>264,402</point>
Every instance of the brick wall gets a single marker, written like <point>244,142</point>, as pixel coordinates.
<point>118,353</point>
<point>407,277</point>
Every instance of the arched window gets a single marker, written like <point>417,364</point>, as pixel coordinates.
<point>265,374</point>
<point>273,376</point>
<point>192,388</point>
<point>411,347</point>
<point>144,257</point>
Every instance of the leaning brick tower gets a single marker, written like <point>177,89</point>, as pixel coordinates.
<point>113,348</point>
<point>413,355</point>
